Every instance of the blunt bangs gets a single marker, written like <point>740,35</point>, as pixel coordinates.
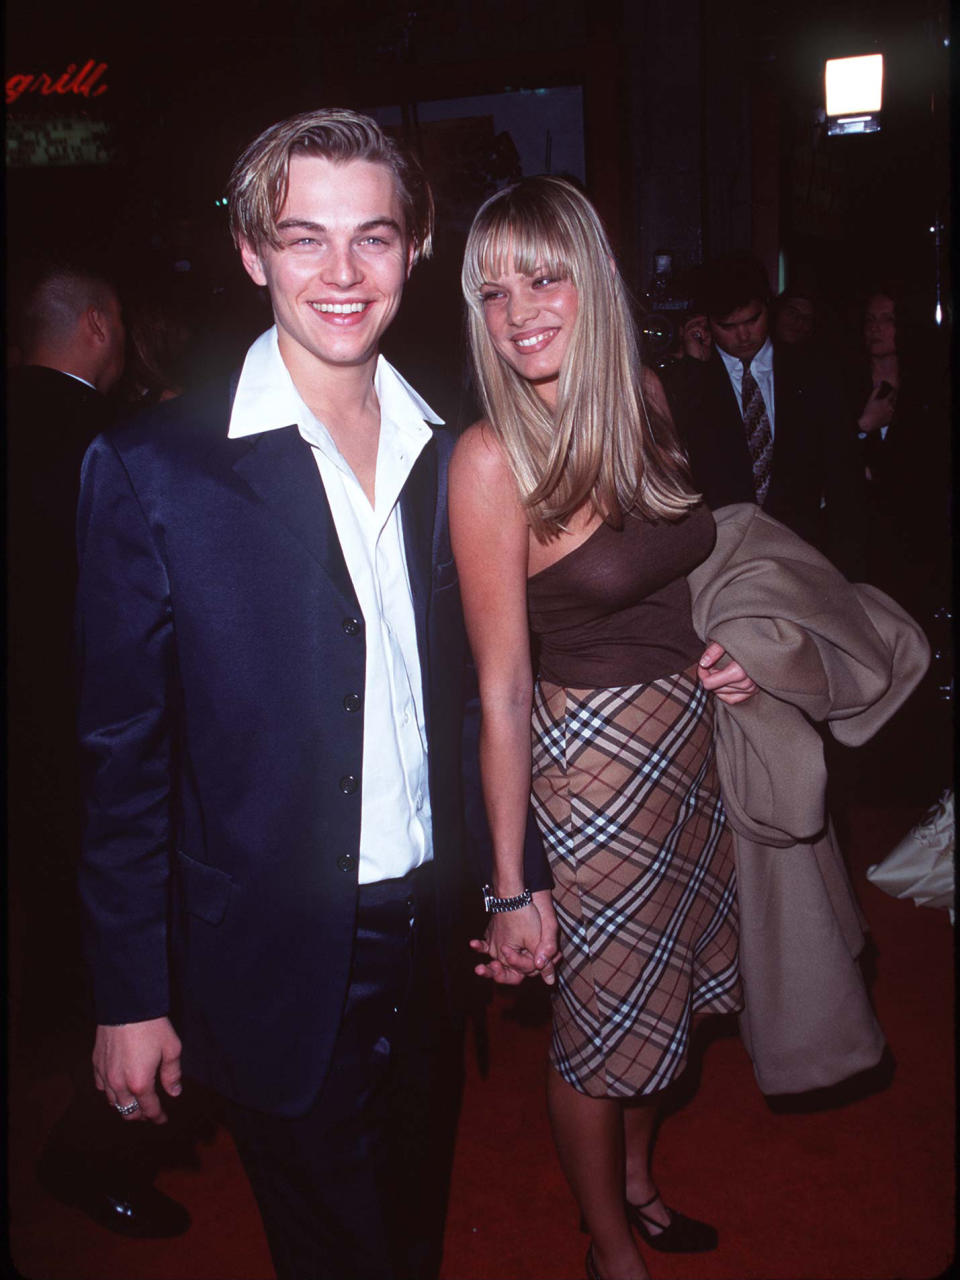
<point>515,231</point>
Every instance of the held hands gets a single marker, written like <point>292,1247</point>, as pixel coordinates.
<point>730,683</point>
<point>520,943</point>
<point>126,1061</point>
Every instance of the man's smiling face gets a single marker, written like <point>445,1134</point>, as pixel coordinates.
<point>336,281</point>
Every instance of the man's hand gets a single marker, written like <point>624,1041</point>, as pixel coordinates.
<point>730,683</point>
<point>127,1060</point>
<point>515,953</point>
<point>548,952</point>
<point>697,338</point>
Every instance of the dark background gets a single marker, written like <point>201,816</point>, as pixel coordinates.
<point>699,132</point>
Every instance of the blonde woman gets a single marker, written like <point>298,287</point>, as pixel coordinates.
<point>573,516</point>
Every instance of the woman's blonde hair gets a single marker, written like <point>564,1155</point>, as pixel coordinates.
<point>603,444</point>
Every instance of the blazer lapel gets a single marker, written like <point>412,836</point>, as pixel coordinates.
<point>793,437</point>
<point>418,503</point>
<point>788,392</point>
<point>279,468</point>
<point>724,394</point>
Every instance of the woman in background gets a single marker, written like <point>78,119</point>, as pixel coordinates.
<point>902,389</point>
<point>572,515</point>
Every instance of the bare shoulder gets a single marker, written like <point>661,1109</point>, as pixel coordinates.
<point>648,378</point>
<point>652,387</point>
<point>479,458</point>
<point>484,499</point>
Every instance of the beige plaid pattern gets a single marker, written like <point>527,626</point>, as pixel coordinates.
<point>626,796</point>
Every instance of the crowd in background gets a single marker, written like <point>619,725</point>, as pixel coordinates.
<point>889,371</point>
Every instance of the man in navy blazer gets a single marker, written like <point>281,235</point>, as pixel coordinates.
<point>272,660</point>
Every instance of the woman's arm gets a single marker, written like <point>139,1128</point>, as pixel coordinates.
<point>490,538</point>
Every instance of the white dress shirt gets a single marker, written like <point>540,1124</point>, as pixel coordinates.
<point>395,823</point>
<point>761,366</point>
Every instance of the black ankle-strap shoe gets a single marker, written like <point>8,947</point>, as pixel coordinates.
<point>682,1235</point>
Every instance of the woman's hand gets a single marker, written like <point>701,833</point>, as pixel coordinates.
<point>521,943</point>
<point>878,411</point>
<point>730,683</point>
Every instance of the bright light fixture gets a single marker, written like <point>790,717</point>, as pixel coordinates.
<point>854,88</point>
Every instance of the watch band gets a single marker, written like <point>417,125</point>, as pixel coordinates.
<point>493,904</point>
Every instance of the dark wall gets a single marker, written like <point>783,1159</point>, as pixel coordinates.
<point>698,118</point>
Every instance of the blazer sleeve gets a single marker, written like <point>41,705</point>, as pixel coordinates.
<point>124,636</point>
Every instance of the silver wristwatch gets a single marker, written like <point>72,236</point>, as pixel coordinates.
<point>494,904</point>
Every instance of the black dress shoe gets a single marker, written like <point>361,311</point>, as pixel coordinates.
<point>683,1235</point>
<point>137,1210</point>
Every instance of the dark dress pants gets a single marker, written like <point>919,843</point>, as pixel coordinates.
<point>356,1188</point>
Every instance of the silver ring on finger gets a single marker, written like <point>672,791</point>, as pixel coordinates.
<point>128,1109</point>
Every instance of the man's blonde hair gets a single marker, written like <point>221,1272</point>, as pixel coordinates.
<point>603,444</point>
<point>258,184</point>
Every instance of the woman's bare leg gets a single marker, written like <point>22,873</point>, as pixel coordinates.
<point>640,1118</point>
<point>589,1136</point>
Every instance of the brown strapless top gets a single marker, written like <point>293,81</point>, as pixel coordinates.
<point>616,609</point>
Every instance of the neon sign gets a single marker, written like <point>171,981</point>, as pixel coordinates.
<point>72,81</point>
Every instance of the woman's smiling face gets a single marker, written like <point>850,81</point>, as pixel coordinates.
<point>530,318</point>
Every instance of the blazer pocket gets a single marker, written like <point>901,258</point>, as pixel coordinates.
<point>444,574</point>
<point>205,890</point>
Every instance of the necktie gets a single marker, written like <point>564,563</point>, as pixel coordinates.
<point>757,426</point>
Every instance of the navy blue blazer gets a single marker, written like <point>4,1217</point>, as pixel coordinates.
<point>221,649</point>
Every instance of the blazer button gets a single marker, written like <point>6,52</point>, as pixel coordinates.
<point>351,702</point>
<point>348,784</point>
<point>351,626</point>
<point>346,862</point>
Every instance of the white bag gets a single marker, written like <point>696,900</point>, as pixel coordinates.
<point>921,865</point>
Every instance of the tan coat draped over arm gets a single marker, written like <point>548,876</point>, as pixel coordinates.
<point>824,652</point>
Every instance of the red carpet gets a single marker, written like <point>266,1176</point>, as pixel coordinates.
<point>859,1189</point>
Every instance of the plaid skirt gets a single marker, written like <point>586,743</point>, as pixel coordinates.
<point>626,797</point>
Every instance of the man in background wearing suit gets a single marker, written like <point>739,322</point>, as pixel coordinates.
<point>67,323</point>
<point>764,423</point>
<point>272,684</point>
<point>68,326</point>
